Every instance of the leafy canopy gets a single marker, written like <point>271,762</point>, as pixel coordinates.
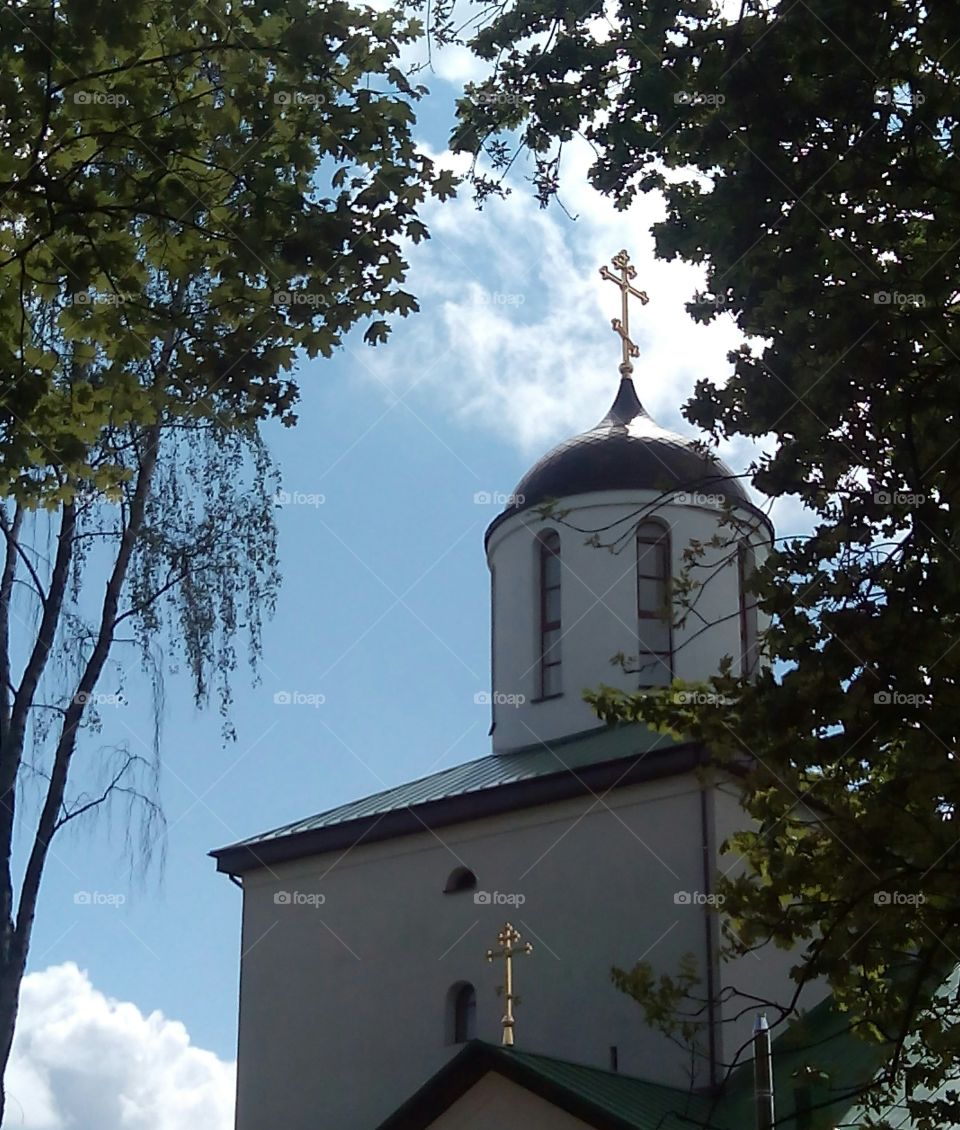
<point>233,178</point>
<point>190,196</point>
<point>807,155</point>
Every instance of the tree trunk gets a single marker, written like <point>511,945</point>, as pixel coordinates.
<point>15,933</point>
<point>12,968</point>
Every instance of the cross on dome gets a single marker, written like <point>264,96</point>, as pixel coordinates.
<point>509,945</point>
<point>621,325</point>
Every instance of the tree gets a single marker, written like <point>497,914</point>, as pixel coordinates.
<point>258,158</point>
<point>805,154</point>
<point>191,196</point>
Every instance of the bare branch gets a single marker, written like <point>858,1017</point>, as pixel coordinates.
<point>66,745</point>
<point>12,532</point>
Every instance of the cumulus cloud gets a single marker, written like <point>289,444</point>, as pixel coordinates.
<point>516,335</point>
<point>83,1061</point>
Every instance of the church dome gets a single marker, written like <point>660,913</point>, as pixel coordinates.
<point>626,450</point>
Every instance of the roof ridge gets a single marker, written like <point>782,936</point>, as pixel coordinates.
<point>369,796</point>
<point>618,1075</point>
<point>533,747</point>
<point>463,791</point>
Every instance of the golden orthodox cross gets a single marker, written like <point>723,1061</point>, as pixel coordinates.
<point>507,944</point>
<point>621,325</point>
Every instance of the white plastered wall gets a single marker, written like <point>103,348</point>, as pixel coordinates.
<point>342,1001</point>
<point>763,975</point>
<point>599,607</point>
<point>496,1103</point>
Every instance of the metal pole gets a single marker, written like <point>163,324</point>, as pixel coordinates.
<point>763,1073</point>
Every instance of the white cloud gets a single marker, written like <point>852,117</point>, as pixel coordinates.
<point>81,1060</point>
<point>459,65</point>
<point>515,333</point>
<point>515,337</point>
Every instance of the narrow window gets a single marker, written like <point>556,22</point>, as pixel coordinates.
<point>746,563</point>
<point>463,1013</point>
<point>654,605</point>
<point>549,584</point>
<point>460,879</point>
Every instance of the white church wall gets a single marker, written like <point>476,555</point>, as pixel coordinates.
<point>496,1103</point>
<point>764,975</point>
<point>599,608</point>
<point>348,957</point>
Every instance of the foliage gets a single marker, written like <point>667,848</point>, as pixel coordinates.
<point>175,563</point>
<point>805,152</point>
<point>661,995</point>
<point>192,197</point>
<point>236,178</point>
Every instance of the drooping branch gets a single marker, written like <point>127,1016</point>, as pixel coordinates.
<point>114,786</point>
<point>47,822</point>
<point>11,747</point>
<point>36,664</point>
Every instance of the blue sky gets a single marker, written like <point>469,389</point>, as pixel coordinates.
<point>384,608</point>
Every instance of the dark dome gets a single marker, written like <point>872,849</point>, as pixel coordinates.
<point>625,451</point>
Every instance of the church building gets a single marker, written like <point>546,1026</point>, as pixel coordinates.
<point>439,954</point>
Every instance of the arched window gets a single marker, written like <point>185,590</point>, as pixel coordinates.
<point>461,1013</point>
<point>548,549</point>
<point>460,879</point>
<point>746,564</point>
<point>654,607</point>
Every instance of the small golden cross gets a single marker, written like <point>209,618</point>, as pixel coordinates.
<point>621,325</point>
<point>507,941</point>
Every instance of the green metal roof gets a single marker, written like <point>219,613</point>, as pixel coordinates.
<point>819,1049</point>
<point>489,772</point>
<point>599,1098</point>
<point>635,1102</point>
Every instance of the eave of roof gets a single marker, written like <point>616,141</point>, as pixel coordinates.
<point>821,1040</point>
<point>487,787</point>
<point>602,1099</point>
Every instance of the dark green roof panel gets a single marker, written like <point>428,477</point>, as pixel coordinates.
<point>489,772</point>
<point>637,1102</point>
